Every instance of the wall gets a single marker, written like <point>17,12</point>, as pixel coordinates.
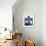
<point>6,13</point>
<point>43,22</point>
<point>32,6</point>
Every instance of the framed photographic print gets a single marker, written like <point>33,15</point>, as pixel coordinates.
<point>28,20</point>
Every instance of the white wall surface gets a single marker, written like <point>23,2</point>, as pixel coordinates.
<point>6,13</point>
<point>43,22</point>
<point>32,6</point>
<point>38,34</point>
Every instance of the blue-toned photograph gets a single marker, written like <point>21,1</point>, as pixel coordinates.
<point>28,21</point>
